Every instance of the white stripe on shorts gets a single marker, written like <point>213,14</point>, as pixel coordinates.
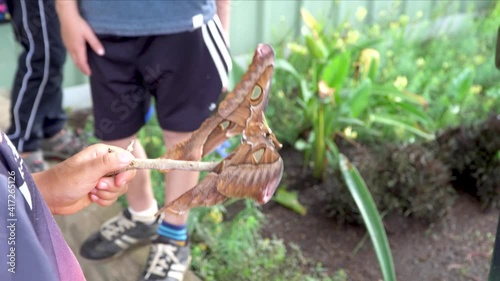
<point>215,56</point>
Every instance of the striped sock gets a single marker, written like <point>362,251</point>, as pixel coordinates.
<point>177,233</point>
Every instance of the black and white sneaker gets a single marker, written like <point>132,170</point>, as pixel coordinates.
<point>116,235</point>
<point>167,261</point>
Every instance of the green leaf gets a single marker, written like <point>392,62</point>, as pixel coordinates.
<point>316,47</point>
<point>390,90</point>
<point>360,98</point>
<point>290,200</point>
<point>460,86</point>
<point>414,111</point>
<point>336,71</point>
<point>371,217</point>
<point>395,121</point>
<point>281,64</point>
<point>351,121</point>
<point>304,89</point>
<point>333,152</point>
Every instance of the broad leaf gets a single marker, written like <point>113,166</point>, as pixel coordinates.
<point>360,98</point>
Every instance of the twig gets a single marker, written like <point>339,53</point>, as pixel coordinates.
<point>168,164</point>
<point>130,147</point>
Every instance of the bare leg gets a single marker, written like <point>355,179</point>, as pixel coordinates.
<point>140,194</point>
<point>177,182</point>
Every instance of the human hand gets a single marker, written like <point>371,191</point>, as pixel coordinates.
<point>80,180</point>
<point>76,33</point>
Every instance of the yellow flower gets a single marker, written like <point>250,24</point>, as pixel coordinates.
<point>340,44</point>
<point>420,62</point>
<point>401,82</point>
<point>361,13</point>
<point>367,57</point>
<point>419,14</point>
<point>404,19</point>
<point>476,89</point>
<point>349,133</point>
<point>479,59</point>
<point>310,21</point>
<point>215,215</point>
<point>394,25</point>
<point>297,48</point>
<point>352,36</point>
<point>375,29</point>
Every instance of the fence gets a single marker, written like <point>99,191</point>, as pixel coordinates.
<point>254,21</point>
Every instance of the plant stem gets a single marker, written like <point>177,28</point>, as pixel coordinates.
<point>319,146</point>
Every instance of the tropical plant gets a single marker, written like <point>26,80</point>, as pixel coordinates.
<point>340,93</point>
<point>452,68</point>
<point>337,93</point>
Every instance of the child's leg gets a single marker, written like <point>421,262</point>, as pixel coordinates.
<point>139,194</point>
<point>177,182</point>
<point>120,105</point>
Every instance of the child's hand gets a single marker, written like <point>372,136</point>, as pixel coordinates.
<point>76,33</point>
<point>77,182</point>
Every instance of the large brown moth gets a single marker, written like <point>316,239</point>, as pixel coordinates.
<point>254,169</point>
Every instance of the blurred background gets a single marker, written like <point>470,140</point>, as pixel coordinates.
<point>389,116</point>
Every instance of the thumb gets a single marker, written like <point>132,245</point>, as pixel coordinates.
<point>112,162</point>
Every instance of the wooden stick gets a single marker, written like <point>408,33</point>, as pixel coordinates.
<point>168,164</point>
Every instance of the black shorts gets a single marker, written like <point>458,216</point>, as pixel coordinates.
<point>184,72</point>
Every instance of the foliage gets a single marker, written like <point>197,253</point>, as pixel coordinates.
<point>234,249</point>
<point>289,199</point>
<point>370,214</point>
<point>452,68</point>
<point>337,92</point>
<point>336,78</point>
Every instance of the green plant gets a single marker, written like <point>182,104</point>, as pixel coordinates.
<point>371,217</point>
<point>339,91</point>
<point>233,249</point>
<point>453,69</point>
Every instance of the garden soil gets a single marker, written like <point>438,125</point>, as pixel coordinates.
<point>456,248</point>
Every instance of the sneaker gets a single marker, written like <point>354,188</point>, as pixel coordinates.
<point>63,145</point>
<point>116,235</point>
<point>34,162</point>
<point>167,261</point>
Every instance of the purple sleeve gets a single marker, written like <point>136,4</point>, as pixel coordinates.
<point>31,244</point>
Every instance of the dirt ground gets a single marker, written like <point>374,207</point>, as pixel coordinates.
<point>457,248</point>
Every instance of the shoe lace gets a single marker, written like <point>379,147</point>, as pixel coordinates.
<point>160,259</point>
<point>116,226</point>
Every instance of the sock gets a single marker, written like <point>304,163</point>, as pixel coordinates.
<point>177,233</point>
<point>147,216</point>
